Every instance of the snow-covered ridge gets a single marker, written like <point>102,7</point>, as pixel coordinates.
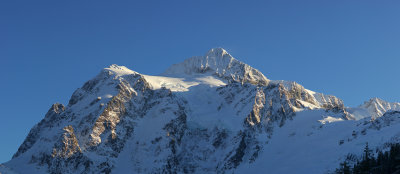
<point>219,68</point>
<point>307,98</point>
<point>175,84</point>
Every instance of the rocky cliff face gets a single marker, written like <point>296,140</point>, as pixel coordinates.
<point>122,121</point>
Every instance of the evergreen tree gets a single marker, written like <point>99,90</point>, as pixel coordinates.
<point>344,168</point>
<point>367,160</point>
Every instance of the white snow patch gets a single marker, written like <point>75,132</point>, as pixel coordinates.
<point>182,83</point>
<point>311,92</point>
<point>107,96</point>
<point>330,119</point>
<point>120,70</point>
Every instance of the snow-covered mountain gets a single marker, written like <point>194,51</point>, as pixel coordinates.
<point>374,108</point>
<point>208,114</point>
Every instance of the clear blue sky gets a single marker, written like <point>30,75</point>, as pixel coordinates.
<point>350,49</point>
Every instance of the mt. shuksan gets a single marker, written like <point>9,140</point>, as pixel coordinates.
<point>220,63</point>
<point>209,114</point>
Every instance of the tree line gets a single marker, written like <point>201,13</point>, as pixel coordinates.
<point>387,162</point>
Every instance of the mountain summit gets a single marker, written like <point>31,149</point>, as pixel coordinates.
<point>208,114</point>
<point>374,108</point>
<point>219,62</point>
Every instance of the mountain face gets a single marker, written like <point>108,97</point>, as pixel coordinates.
<point>208,114</point>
